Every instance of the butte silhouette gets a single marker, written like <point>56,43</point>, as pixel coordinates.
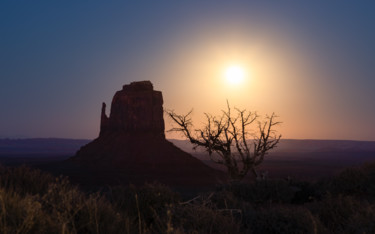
<point>132,148</point>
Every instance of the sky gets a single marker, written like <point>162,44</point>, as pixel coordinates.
<point>312,63</point>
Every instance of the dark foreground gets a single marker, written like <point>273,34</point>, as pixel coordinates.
<point>328,190</point>
<point>32,201</point>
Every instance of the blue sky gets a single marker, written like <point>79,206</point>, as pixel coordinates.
<point>60,59</point>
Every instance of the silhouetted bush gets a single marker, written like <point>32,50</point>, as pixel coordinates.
<point>283,219</point>
<point>363,221</point>
<point>305,192</point>
<point>345,214</point>
<point>351,181</point>
<point>225,199</point>
<point>59,207</point>
<point>270,191</point>
<point>24,180</point>
<point>201,219</point>
<point>369,171</point>
<point>73,211</point>
<point>157,209</point>
<point>356,181</point>
<point>148,204</point>
<point>20,214</point>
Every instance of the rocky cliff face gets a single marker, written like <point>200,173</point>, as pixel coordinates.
<point>131,146</point>
<point>137,108</point>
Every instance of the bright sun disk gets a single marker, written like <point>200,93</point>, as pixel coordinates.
<point>234,74</point>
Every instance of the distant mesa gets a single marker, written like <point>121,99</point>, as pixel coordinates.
<point>132,144</point>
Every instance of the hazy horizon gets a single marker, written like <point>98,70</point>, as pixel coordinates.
<point>168,138</point>
<point>310,63</point>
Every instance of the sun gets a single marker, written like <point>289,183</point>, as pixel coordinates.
<point>234,74</point>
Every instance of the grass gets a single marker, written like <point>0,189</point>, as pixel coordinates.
<point>32,201</point>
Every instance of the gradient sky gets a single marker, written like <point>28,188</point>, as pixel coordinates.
<point>311,63</point>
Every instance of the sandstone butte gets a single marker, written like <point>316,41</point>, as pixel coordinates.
<point>132,148</point>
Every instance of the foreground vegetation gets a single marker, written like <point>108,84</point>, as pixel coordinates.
<point>32,201</point>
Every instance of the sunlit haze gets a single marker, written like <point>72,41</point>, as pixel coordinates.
<point>311,63</point>
<point>234,74</point>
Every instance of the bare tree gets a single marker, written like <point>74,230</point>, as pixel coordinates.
<point>228,139</point>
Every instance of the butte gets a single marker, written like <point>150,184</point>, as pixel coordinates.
<point>132,148</point>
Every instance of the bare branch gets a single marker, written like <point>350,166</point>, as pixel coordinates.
<point>225,138</point>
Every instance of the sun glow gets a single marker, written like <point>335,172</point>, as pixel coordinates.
<point>234,74</point>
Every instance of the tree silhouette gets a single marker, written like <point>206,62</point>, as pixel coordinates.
<point>229,140</point>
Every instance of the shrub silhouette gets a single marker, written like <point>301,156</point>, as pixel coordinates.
<point>24,180</point>
<point>284,220</point>
<point>355,181</point>
<point>20,214</point>
<point>264,191</point>
<point>59,207</point>
<point>202,219</point>
<point>149,203</point>
<point>345,214</point>
<point>73,211</point>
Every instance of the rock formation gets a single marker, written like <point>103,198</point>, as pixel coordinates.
<point>132,143</point>
<point>137,108</point>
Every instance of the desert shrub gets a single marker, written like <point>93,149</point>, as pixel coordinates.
<point>283,219</point>
<point>148,204</point>
<point>202,219</point>
<point>155,195</point>
<point>369,170</point>
<point>24,180</point>
<point>157,209</point>
<point>343,214</point>
<point>224,199</point>
<point>20,214</point>
<point>363,221</point>
<point>355,181</point>
<point>35,202</point>
<point>351,181</point>
<point>99,216</point>
<point>58,208</point>
<point>305,192</point>
<point>71,211</point>
<point>270,191</point>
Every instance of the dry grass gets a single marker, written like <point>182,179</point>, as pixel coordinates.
<point>35,202</point>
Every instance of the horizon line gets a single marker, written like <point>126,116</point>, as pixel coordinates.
<point>90,139</point>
